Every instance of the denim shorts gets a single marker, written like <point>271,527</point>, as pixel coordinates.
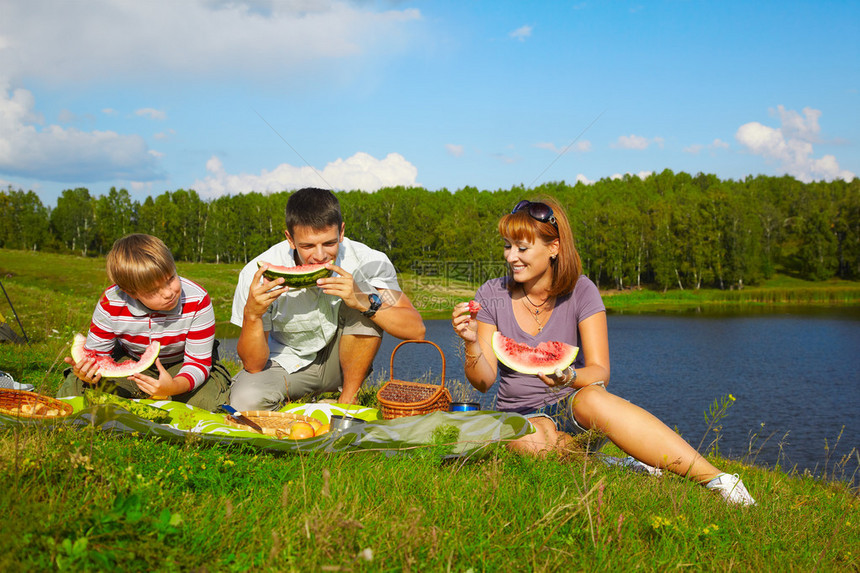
<point>561,413</point>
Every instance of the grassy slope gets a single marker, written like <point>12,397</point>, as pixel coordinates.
<point>95,501</point>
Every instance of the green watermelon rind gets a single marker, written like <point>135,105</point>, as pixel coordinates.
<point>110,369</point>
<point>505,357</point>
<point>295,279</point>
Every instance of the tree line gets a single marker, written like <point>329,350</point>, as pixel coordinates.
<point>669,230</point>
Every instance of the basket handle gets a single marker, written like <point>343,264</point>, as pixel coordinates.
<point>393,352</point>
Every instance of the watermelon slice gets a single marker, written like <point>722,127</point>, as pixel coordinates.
<point>110,369</point>
<point>474,306</point>
<point>296,277</point>
<point>545,358</point>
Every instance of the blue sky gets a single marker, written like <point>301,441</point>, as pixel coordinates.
<point>229,96</point>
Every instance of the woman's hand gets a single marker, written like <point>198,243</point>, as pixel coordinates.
<point>465,322</point>
<point>559,379</point>
<point>86,369</point>
<point>163,386</point>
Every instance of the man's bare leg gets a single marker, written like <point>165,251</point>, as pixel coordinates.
<point>356,357</point>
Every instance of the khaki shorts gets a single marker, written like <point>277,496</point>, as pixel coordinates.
<point>561,413</point>
<point>273,386</point>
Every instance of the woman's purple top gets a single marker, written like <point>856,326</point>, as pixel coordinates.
<point>523,393</point>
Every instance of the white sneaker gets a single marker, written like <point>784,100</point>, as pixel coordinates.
<point>632,464</point>
<point>731,488</point>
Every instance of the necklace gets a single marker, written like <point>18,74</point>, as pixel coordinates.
<point>537,309</point>
<point>537,306</point>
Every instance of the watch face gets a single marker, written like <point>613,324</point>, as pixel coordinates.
<point>375,301</point>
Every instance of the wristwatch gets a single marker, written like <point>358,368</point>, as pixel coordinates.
<point>375,303</point>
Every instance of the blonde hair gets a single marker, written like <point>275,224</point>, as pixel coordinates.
<point>567,266</point>
<point>139,263</point>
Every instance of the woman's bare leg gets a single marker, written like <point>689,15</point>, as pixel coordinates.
<point>640,433</point>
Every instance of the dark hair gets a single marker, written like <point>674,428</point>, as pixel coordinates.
<point>567,266</point>
<point>313,207</point>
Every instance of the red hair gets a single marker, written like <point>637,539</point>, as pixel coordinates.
<point>567,266</point>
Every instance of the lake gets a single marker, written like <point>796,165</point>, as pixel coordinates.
<point>794,374</point>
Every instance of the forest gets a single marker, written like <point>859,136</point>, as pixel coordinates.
<point>669,230</point>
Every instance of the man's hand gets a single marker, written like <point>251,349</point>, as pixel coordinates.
<point>262,294</point>
<point>344,286</point>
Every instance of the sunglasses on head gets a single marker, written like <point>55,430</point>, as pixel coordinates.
<point>540,211</point>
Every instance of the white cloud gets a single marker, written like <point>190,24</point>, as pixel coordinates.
<point>506,158</point>
<point>162,135</point>
<point>162,39</point>
<point>455,150</point>
<point>66,116</point>
<point>361,171</point>
<point>635,142</point>
<point>577,146</point>
<point>54,153</point>
<point>522,33</point>
<point>109,111</point>
<point>151,113</point>
<point>791,145</point>
<point>697,148</point>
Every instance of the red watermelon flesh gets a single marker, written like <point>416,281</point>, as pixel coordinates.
<point>474,306</point>
<point>545,358</point>
<point>108,368</point>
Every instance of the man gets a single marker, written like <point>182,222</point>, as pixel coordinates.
<point>299,342</point>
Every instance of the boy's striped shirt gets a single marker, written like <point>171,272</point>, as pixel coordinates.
<point>186,333</point>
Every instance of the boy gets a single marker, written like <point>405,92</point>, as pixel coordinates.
<point>300,342</point>
<point>149,302</point>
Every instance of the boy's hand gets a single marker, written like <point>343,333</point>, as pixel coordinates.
<point>163,386</point>
<point>86,370</point>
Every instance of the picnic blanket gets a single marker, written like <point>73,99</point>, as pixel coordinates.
<point>450,434</point>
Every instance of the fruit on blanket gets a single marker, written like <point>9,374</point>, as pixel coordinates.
<point>545,358</point>
<point>474,306</point>
<point>315,423</point>
<point>324,428</point>
<point>296,277</point>
<point>107,367</point>
<point>300,431</point>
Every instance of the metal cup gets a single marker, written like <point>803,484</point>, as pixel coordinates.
<point>465,406</point>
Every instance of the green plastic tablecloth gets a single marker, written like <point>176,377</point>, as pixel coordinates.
<point>453,433</point>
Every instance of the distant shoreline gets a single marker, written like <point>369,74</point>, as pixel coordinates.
<point>760,299</point>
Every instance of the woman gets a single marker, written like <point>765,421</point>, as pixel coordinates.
<point>545,298</point>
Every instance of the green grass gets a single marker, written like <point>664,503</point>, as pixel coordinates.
<point>86,500</point>
<point>80,499</point>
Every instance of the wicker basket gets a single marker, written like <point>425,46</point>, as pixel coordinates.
<point>25,404</point>
<point>273,423</point>
<point>399,398</point>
